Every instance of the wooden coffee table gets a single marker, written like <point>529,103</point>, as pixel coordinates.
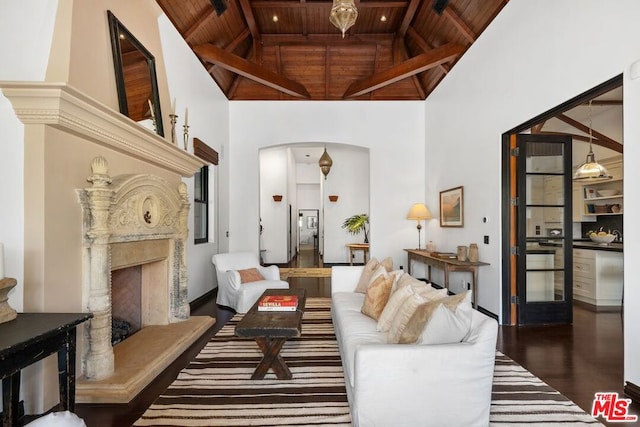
<point>271,329</point>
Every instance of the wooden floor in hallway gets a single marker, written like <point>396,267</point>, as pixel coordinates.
<point>577,360</point>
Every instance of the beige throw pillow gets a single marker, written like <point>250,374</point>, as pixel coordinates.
<point>397,298</point>
<point>398,303</point>
<point>377,296</point>
<point>368,270</point>
<point>444,321</point>
<point>250,275</point>
<point>387,263</point>
<point>403,316</point>
<point>406,280</point>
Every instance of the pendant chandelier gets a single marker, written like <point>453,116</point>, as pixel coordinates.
<point>591,169</point>
<point>343,14</point>
<point>325,163</point>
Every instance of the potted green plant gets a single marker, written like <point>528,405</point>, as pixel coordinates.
<point>356,224</point>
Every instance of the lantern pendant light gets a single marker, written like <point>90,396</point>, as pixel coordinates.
<point>343,14</point>
<point>325,163</point>
<point>591,169</point>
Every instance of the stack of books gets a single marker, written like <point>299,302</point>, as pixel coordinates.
<point>444,255</point>
<point>278,303</point>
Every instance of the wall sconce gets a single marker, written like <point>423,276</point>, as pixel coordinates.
<point>333,198</point>
<point>277,197</point>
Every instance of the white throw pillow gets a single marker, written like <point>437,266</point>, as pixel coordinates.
<point>450,322</point>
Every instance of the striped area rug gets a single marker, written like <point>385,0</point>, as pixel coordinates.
<point>215,389</point>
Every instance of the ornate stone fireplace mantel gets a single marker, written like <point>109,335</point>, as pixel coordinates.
<point>64,107</point>
<point>129,208</point>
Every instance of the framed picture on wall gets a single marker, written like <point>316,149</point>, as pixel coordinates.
<point>312,222</point>
<point>452,207</point>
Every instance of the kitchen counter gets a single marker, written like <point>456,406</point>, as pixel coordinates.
<point>588,244</point>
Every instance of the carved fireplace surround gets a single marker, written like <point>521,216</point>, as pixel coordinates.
<point>127,220</point>
<point>124,209</point>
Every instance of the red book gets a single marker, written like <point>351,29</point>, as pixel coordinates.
<point>278,303</point>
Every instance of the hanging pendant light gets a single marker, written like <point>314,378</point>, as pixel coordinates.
<point>343,14</point>
<point>325,163</point>
<point>591,169</point>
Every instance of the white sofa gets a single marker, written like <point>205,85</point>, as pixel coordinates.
<point>410,384</point>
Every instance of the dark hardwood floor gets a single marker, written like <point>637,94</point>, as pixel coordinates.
<point>577,360</point>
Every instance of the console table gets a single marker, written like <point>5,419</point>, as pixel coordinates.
<point>31,337</point>
<point>364,247</point>
<point>446,265</point>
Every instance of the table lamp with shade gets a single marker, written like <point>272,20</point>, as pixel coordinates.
<point>419,212</point>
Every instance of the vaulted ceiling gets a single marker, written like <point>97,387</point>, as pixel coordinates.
<point>288,49</point>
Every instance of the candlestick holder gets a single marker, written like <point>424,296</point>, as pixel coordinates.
<point>173,118</point>
<point>185,136</point>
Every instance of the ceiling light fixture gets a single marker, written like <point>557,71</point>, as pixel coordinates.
<point>343,14</point>
<point>325,163</point>
<point>591,169</point>
<point>275,18</point>
<point>383,18</point>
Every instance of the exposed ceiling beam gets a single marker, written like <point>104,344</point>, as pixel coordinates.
<point>408,17</point>
<point>250,70</point>
<point>410,67</point>
<point>199,23</point>
<point>538,128</point>
<point>232,46</point>
<point>425,46</point>
<point>594,141</point>
<point>326,39</point>
<point>253,28</point>
<point>605,103</point>
<point>400,54</point>
<point>459,23</point>
<point>325,4</point>
<point>603,140</point>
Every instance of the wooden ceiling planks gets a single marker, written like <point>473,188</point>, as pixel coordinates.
<point>306,51</point>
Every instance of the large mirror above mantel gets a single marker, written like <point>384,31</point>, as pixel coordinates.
<point>136,80</point>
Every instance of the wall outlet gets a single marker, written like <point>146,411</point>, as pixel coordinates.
<point>486,240</point>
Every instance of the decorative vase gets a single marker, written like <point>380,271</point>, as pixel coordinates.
<point>431,247</point>
<point>473,252</point>
<point>462,253</point>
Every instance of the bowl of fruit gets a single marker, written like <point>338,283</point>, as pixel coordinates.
<point>601,236</point>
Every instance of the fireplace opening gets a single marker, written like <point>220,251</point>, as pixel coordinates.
<point>126,301</point>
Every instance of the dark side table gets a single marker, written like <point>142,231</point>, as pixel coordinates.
<point>270,330</point>
<point>32,337</point>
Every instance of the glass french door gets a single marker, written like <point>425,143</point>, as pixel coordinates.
<point>543,229</point>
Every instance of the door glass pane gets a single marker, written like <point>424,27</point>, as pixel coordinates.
<point>545,218</point>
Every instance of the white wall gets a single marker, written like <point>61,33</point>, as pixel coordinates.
<point>273,181</point>
<point>534,56</point>
<point>348,179</point>
<point>208,120</point>
<point>29,24</point>
<point>392,131</point>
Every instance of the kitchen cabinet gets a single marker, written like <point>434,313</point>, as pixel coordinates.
<point>540,284</point>
<point>603,197</point>
<point>552,195</point>
<point>598,277</point>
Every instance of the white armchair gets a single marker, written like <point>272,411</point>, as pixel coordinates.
<point>241,296</point>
